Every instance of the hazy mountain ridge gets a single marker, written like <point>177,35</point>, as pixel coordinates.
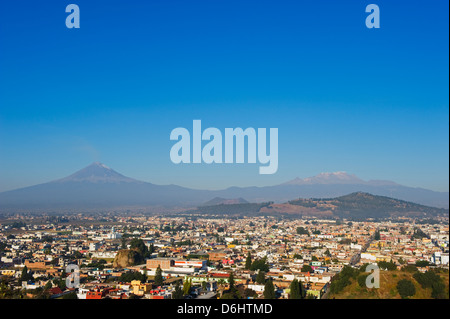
<point>98,187</point>
<point>357,205</point>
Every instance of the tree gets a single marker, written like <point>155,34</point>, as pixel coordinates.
<point>306,268</point>
<point>158,277</point>
<point>362,280</point>
<point>25,276</point>
<point>296,290</point>
<point>422,263</point>
<point>248,261</point>
<point>178,292</point>
<point>71,295</point>
<point>261,277</point>
<point>48,285</point>
<point>269,290</point>
<point>377,235</point>
<point>385,265</point>
<point>260,264</point>
<point>187,286</point>
<point>302,231</point>
<point>406,288</point>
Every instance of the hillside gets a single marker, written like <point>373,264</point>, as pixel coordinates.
<point>388,287</point>
<point>364,205</point>
<point>354,206</point>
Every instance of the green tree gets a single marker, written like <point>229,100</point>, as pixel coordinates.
<point>261,277</point>
<point>306,268</point>
<point>296,290</point>
<point>302,231</point>
<point>178,292</point>
<point>231,281</point>
<point>187,286</point>
<point>362,280</point>
<point>248,261</point>
<point>72,295</point>
<point>406,288</point>
<point>260,264</point>
<point>158,277</point>
<point>269,290</point>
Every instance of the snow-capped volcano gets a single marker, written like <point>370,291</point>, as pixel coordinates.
<point>98,187</point>
<point>97,173</point>
<point>328,178</point>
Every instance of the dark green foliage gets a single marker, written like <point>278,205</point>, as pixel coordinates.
<point>386,265</point>
<point>343,279</point>
<point>362,280</point>
<point>306,268</point>
<point>139,246</point>
<point>269,290</point>
<point>260,264</point>
<point>26,275</point>
<point>158,277</point>
<point>432,280</point>
<point>71,295</point>
<point>422,263</point>
<point>376,236</point>
<point>302,231</point>
<point>406,288</point>
<point>178,292</point>
<point>261,278</point>
<point>248,261</point>
<point>297,290</point>
<point>132,275</point>
<point>418,234</point>
<point>409,268</point>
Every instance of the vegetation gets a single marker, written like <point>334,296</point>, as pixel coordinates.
<point>423,283</point>
<point>159,280</point>
<point>306,268</point>
<point>269,290</point>
<point>406,288</point>
<point>431,279</point>
<point>178,292</point>
<point>385,265</point>
<point>302,231</point>
<point>248,261</point>
<point>132,275</point>
<point>260,264</point>
<point>297,290</point>
<point>261,277</point>
<point>343,279</point>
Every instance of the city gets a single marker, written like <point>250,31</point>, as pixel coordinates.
<point>138,256</point>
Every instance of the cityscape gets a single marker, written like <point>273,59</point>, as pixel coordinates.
<point>224,158</point>
<point>133,256</point>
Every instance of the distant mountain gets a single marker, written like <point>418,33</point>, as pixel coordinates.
<point>357,205</point>
<point>327,178</point>
<point>364,205</point>
<point>97,173</point>
<point>224,201</point>
<point>334,185</point>
<point>98,187</point>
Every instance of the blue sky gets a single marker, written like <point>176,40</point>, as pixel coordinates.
<point>372,102</point>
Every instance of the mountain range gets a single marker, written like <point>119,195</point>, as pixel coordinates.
<point>98,187</point>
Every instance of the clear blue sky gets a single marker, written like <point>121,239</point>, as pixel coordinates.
<point>374,103</point>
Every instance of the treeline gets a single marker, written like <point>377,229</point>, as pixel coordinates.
<point>431,279</point>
